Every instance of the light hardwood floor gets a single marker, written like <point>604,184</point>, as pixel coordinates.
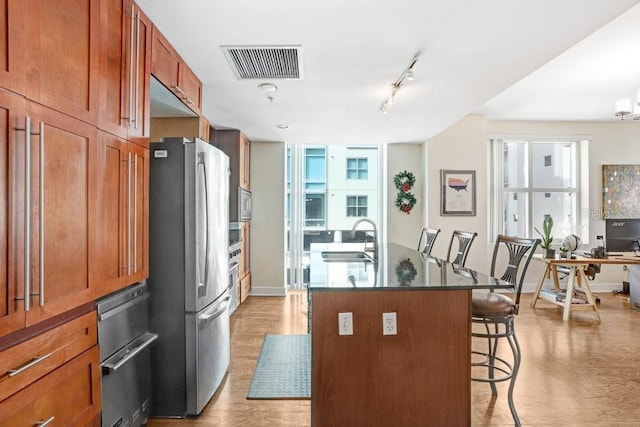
<point>576,373</point>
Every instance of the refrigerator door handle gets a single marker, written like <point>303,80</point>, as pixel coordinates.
<point>216,313</point>
<point>202,166</point>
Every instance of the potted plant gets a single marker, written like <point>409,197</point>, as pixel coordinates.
<point>564,252</point>
<point>547,238</point>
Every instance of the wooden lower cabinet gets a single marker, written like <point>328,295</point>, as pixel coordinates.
<point>68,396</point>
<point>245,287</point>
<point>30,360</point>
<point>419,377</point>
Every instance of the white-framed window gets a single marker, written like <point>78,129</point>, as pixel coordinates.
<point>357,206</point>
<point>534,177</point>
<point>357,168</point>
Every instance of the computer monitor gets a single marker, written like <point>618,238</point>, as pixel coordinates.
<point>622,235</point>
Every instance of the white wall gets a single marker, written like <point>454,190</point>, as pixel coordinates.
<point>464,146</point>
<point>404,228</point>
<point>268,222</point>
<point>460,147</point>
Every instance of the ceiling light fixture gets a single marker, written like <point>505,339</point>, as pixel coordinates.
<point>268,87</point>
<point>624,107</point>
<point>407,75</point>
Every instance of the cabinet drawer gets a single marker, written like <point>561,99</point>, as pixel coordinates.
<point>24,363</point>
<point>68,396</point>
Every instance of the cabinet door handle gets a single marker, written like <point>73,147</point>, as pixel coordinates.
<point>129,213</point>
<point>177,89</point>
<point>41,219</point>
<point>137,87</point>
<point>135,213</point>
<point>131,106</point>
<point>27,212</point>
<point>31,363</point>
<point>45,423</point>
<point>189,100</point>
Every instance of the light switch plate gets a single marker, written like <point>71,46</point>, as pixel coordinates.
<point>345,323</point>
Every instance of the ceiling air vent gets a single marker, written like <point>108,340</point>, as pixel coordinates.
<point>265,62</point>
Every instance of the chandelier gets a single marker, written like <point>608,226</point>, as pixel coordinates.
<point>625,107</point>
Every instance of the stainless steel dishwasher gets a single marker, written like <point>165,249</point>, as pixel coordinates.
<point>124,338</point>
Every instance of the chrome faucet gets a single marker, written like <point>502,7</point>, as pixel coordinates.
<point>375,236</point>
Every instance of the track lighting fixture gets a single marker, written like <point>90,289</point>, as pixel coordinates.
<point>407,75</point>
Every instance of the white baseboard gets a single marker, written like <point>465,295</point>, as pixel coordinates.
<point>268,291</point>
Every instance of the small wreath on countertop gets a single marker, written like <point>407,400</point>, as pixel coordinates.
<point>405,272</point>
<point>404,181</point>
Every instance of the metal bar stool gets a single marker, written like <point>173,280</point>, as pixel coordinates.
<point>464,238</point>
<point>429,235</point>
<point>496,312</point>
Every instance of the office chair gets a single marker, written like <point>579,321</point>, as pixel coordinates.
<point>496,312</point>
<point>429,235</point>
<point>464,239</point>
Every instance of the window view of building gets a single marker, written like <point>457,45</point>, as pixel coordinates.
<point>323,202</point>
<point>356,206</point>
<point>357,168</point>
<point>535,179</point>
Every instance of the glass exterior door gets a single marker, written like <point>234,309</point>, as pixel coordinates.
<point>329,187</point>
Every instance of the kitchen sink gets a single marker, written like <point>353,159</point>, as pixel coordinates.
<point>346,256</point>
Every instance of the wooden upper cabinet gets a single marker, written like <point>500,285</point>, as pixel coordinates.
<point>139,32</point>
<point>49,214</point>
<point>191,88</point>
<point>245,156</point>
<point>123,205</point>
<point>125,67</point>
<point>168,67</point>
<point>12,45</point>
<point>62,51</point>
<point>138,212</point>
<point>238,147</point>
<point>62,187</point>
<point>12,142</point>
<point>165,61</point>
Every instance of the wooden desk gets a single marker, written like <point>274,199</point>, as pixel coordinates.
<point>577,281</point>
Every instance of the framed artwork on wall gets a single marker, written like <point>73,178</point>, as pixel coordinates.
<point>620,191</point>
<point>458,192</point>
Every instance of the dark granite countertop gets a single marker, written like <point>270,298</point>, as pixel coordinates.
<point>398,268</point>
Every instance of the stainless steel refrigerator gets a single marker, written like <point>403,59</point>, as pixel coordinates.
<point>188,274</point>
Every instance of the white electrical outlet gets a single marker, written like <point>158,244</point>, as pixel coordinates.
<point>389,325</point>
<point>345,323</point>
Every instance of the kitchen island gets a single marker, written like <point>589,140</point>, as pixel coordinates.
<point>364,375</point>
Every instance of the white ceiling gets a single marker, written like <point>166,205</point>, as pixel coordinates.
<point>530,60</point>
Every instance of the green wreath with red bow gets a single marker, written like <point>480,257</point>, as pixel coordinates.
<point>405,200</point>
<point>404,181</point>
